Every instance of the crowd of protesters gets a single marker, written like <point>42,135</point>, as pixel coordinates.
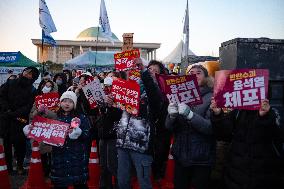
<point>251,161</point>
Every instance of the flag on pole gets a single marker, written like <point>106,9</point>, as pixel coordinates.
<point>46,23</point>
<point>104,22</point>
<point>186,31</point>
<point>48,39</point>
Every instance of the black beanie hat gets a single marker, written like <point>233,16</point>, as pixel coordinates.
<point>34,71</point>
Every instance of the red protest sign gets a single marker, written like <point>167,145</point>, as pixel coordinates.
<point>134,75</point>
<point>49,131</point>
<point>180,89</point>
<point>94,93</point>
<point>79,72</point>
<point>241,89</point>
<point>126,95</point>
<point>125,60</point>
<point>50,100</point>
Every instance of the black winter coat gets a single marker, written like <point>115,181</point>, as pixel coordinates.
<point>16,101</point>
<point>69,163</point>
<point>194,142</point>
<point>105,123</point>
<point>252,162</point>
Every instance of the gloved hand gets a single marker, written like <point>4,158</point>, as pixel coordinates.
<point>184,110</point>
<point>76,132</point>
<point>27,129</point>
<point>42,109</point>
<point>172,109</point>
<point>75,122</point>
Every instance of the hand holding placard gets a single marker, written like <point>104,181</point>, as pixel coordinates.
<point>214,107</point>
<point>75,122</point>
<point>264,107</point>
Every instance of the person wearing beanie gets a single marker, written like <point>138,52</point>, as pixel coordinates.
<point>69,163</point>
<point>194,143</point>
<point>16,100</point>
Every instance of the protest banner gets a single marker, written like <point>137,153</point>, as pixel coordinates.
<point>49,131</point>
<point>126,95</point>
<point>125,60</point>
<point>241,88</point>
<point>50,100</point>
<point>79,73</point>
<point>180,89</point>
<point>134,75</point>
<point>94,93</point>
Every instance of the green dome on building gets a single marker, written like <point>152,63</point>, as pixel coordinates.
<point>90,34</point>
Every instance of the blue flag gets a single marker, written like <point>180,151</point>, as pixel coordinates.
<point>46,23</point>
<point>48,39</point>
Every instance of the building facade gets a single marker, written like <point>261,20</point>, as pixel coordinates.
<point>89,39</point>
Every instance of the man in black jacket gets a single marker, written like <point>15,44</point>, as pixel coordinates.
<point>16,100</point>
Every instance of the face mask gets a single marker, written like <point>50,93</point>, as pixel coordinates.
<point>25,81</point>
<point>59,82</point>
<point>46,89</point>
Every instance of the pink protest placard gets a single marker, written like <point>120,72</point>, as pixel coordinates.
<point>50,100</point>
<point>180,89</point>
<point>49,131</point>
<point>241,89</point>
<point>126,95</point>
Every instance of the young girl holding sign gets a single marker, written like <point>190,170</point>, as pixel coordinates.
<point>69,163</point>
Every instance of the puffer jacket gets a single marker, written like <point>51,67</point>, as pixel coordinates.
<point>194,143</point>
<point>251,162</point>
<point>69,163</point>
<point>136,132</point>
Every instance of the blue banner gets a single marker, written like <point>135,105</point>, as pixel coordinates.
<point>47,39</point>
<point>9,57</point>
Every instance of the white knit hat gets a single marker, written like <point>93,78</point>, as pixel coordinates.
<point>70,95</point>
<point>108,81</point>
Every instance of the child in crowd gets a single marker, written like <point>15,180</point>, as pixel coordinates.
<point>69,163</point>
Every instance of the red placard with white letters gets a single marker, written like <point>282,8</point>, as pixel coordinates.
<point>50,100</point>
<point>125,60</point>
<point>49,131</point>
<point>134,75</point>
<point>241,88</point>
<point>126,95</point>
